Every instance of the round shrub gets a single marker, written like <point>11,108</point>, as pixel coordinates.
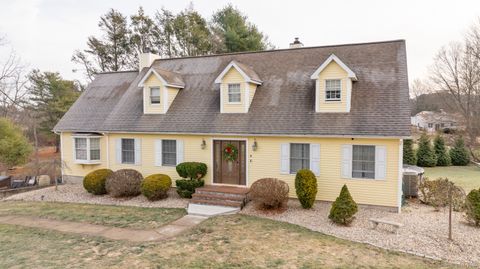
<point>344,208</point>
<point>270,193</point>
<point>124,183</point>
<point>459,154</point>
<point>473,207</point>
<point>306,187</point>
<point>94,182</point>
<point>192,170</point>
<point>186,187</point>
<point>435,193</point>
<point>155,187</point>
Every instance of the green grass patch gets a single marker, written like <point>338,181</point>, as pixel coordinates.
<point>117,216</point>
<point>467,177</point>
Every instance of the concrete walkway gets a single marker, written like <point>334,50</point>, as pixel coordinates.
<point>170,230</point>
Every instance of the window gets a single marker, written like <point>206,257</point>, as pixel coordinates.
<point>81,149</point>
<point>87,149</point>
<point>169,152</point>
<point>94,149</point>
<point>299,157</point>
<point>442,125</point>
<point>430,125</point>
<point>333,89</point>
<point>363,162</point>
<point>155,95</point>
<point>234,94</point>
<point>128,150</point>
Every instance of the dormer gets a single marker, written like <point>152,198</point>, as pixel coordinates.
<point>160,87</point>
<point>238,84</point>
<point>333,86</point>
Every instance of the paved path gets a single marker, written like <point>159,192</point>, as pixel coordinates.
<point>170,230</point>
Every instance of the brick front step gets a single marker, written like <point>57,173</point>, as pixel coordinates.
<point>217,196</point>
<point>220,196</point>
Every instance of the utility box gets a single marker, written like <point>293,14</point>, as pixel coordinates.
<point>412,176</point>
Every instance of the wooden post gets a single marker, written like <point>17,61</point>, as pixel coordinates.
<point>55,173</point>
<point>450,201</point>
<point>37,161</point>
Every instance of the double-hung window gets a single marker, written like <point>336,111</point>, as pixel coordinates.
<point>169,152</point>
<point>87,149</point>
<point>333,90</point>
<point>299,157</point>
<point>234,93</point>
<point>155,95</point>
<point>128,150</point>
<point>363,161</point>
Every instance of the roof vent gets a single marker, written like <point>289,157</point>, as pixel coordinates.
<point>296,44</point>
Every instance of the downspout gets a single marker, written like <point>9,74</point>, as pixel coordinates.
<point>400,175</point>
<point>108,149</point>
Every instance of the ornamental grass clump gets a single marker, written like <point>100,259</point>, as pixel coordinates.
<point>124,183</point>
<point>344,208</point>
<point>156,186</point>
<point>306,187</point>
<point>192,174</point>
<point>269,193</point>
<point>94,182</point>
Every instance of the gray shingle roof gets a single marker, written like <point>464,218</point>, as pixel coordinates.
<point>170,77</point>
<point>282,105</point>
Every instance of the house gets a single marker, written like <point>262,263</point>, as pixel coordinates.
<point>340,111</point>
<point>433,121</point>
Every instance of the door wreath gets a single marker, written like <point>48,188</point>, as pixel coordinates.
<point>230,153</point>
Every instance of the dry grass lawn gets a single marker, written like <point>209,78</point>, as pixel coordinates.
<point>468,177</point>
<point>235,241</point>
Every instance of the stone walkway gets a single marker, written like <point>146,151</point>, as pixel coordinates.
<point>170,230</point>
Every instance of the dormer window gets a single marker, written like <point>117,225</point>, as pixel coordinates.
<point>333,90</point>
<point>155,95</point>
<point>234,94</point>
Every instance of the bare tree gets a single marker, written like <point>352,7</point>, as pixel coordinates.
<point>456,70</point>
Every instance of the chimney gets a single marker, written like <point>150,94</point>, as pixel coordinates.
<point>296,44</point>
<point>146,59</point>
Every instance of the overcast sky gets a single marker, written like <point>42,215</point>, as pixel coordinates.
<point>46,32</point>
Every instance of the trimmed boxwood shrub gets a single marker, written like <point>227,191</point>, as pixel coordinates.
<point>186,187</point>
<point>156,186</point>
<point>306,187</point>
<point>459,154</point>
<point>94,182</point>
<point>443,158</point>
<point>344,208</point>
<point>473,207</point>
<point>192,170</point>
<point>409,156</point>
<point>124,183</point>
<point>270,193</point>
<point>425,154</point>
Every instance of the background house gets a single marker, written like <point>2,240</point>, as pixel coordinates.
<point>432,121</point>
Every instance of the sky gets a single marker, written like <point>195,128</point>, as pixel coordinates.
<point>45,33</point>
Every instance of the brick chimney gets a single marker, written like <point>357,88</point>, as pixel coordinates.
<point>146,59</point>
<point>296,44</point>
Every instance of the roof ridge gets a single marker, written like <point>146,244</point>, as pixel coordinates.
<point>281,50</point>
<point>114,72</point>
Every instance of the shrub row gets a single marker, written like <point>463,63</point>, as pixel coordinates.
<point>439,155</point>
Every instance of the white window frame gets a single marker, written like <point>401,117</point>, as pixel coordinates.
<point>327,90</point>
<point>374,162</point>
<point>88,160</point>
<point>163,149</point>
<point>231,94</point>
<point>159,96</point>
<point>121,151</point>
<point>290,157</point>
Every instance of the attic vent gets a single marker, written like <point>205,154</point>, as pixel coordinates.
<point>296,44</point>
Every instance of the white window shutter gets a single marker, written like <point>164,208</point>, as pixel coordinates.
<point>380,162</point>
<point>285,158</point>
<point>138,151</point>
<point>118,150</point>
<point>158,152</point>
<point>346,161</point>
<point>179,151</point>
<point>315,158</point>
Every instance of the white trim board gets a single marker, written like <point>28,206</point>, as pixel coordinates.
<point>244,75</point>
<point>164,82</point>
<point>331,58</point>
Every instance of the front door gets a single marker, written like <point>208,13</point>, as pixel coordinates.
<point>229,168</point>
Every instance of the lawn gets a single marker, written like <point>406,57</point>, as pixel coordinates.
<point>117,216</point>
<point>468,177</point>
<point>234,241</point>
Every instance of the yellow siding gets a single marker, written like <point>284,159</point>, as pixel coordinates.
<point>70,167</point>
<point>171,93</point>
<point>253,89</point>
<point>233,76</point>
<point>265,162</point>
<point>332,71</point>
<point>152,81</point>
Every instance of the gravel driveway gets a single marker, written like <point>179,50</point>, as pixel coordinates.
<point>425,231</point>
<point>75,193</point>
